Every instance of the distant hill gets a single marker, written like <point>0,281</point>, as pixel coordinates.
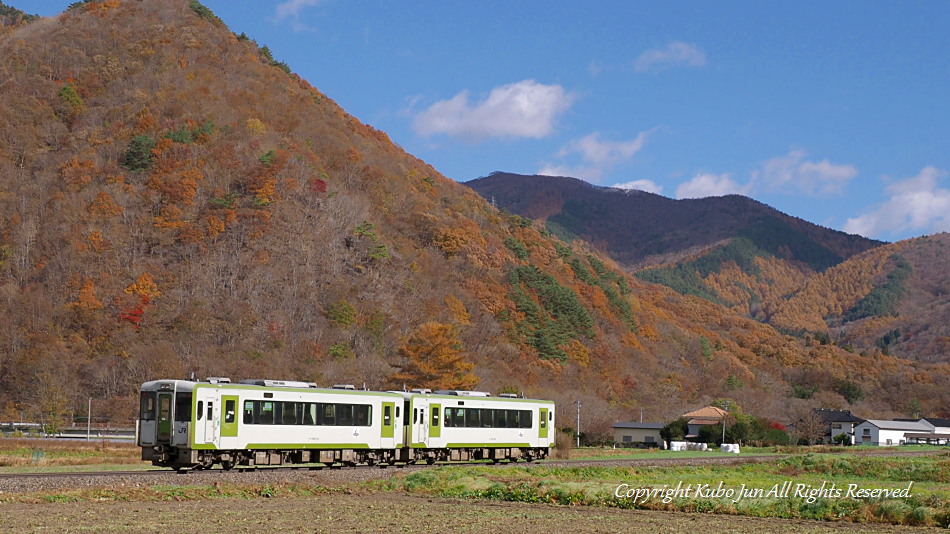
<point>174,200</point>
<point>639,229</point>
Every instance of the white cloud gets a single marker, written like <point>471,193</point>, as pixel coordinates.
<point>523,109</point>
<point>792,173</point>
<point>292,8</point>
<point>642,185</point>
<point>675,54</point>
<point>710,185</point>
<point>597,156</point>
<point>916,204</point>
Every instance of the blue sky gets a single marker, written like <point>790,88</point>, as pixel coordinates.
<point>835,112</point>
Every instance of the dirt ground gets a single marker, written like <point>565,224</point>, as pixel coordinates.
<point>385,512</point>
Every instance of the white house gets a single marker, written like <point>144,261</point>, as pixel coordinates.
<point>884,433</point>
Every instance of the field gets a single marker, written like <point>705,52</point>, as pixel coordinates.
<point>823,494</point>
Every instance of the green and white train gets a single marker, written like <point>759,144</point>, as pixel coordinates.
<point>187,424</point>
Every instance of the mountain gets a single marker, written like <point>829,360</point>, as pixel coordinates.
<point>639,229</point>
<point>174,200</point>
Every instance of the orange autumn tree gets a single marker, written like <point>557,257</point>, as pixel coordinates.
<point>435,359</point>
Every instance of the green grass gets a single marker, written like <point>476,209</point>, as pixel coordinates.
<point>818,486</point>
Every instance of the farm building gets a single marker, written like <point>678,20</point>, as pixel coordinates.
<point>644,433</point>
<point>884,433</point>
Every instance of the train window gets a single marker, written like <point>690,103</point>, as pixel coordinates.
<point>363,415</point>
<point>435,416</point>
<point>147,406</point>
<point>329,415</point>
<point>397,412</point>
<point>525,416</point>
<point>288,413</point>
<point>387,420</point>
<point>544,423</point>
<point>265,416</point>
<point>200,411</point>
<point>415,415</point>
<point>501,420</point>
<point>164,408</point>
<point>248,412</point>
<point>310,414</point>
<point>210,409</point>
<point>344,414</point>
<point>183,407</point>
<point>229,408</point>
<point>550,416</point>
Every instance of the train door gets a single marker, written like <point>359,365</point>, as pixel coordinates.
<point>543,425</point>
<point>420,424</point>
<point>388,426</point>
<point>165,416</point>
<point>229,421</point>
<point>211,418</point>
<point>435,424</point>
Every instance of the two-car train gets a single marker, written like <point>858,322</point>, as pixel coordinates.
<point>188,424</point>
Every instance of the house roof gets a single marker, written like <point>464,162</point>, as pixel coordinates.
<point>704,421</point>
<point>937,421</point>
<point>837,416</point>
<point>644,426</point>
<point>913,426</point>
<point>709,412</point>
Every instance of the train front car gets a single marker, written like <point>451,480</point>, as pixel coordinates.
<point>165,422</point>
<point>196,425</point>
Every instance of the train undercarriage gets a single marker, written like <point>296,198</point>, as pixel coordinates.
<point>182,458</point>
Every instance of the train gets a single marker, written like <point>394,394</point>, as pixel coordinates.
<point>189,424</point>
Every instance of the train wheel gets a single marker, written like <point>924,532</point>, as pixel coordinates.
<point>227,465</point>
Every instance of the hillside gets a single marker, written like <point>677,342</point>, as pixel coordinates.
<point>174,200</point>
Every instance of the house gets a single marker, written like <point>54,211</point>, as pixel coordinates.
<point>645,433</point>
<point>884,433</point>
<point>838,422</point>
<point>710,415</point>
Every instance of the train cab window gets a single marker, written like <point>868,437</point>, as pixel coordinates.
<point>397,412</point>
<point>415,415</point>
<point>183,407</point>
<point>230,407</point>
<point>387,415</point>
<point>200,411</point>
<point>147,406</point>
<point>435,416</point>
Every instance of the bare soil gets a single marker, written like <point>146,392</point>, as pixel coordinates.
<point>386,512</point>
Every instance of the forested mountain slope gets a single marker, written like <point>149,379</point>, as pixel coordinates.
<point>175,200</point>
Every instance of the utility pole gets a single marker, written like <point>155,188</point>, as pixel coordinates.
<point>89,420</point>
<point>578,403</point>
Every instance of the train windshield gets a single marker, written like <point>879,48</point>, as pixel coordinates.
<point>147,406</point>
